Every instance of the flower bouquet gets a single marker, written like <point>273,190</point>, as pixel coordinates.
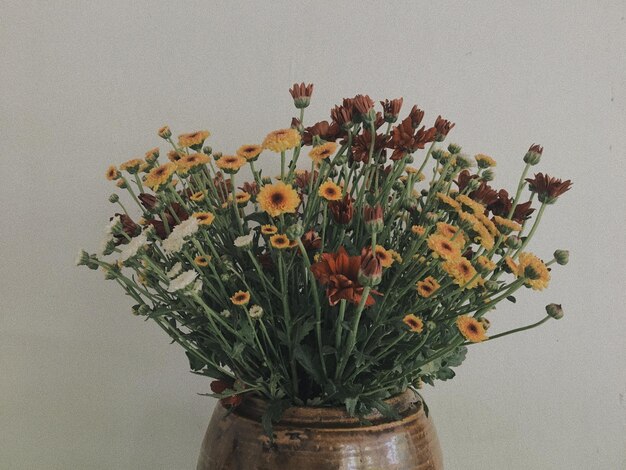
<point>364,268</point>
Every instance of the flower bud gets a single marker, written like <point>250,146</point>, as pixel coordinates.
<point>342,211</point>
<point>82,259</point>
<point>454,149</point>
<point>533,156</point>
<point>492,285</point>
<point>487,175</point>
<point>207,150</point>
<point>473,184</point>
<point>486,323</point>
<point>555,311</point>
<point>370,271</point>
<point>301,94</point>
<point>437,154</point>
<point>561,257</point>
<point>432,217</point>
<point>295,231</point>
<point>373,217</point>
<point>165,132</point>
<point>431,325</point>
<point>513,242</point>
<point>113,198</point>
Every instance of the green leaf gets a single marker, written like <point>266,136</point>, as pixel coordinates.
<point>304,355</point>
<point>511,298</point>
<point>351,405</point>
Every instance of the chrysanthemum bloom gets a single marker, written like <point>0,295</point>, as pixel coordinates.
<point>242,198</point>
<point>484,161</point>
<point>533,156</point>
<point>374,218</point>
<point>256,311</point>
<point>506,226</point>
<point>485,263</point>
<point>301,94</point>
<point>280,241</point>
<point>418,230</point>
<point>391,109</point>
<point>443,127</point>
<point>395,255</point>
<point>197,196</point>
<point>112,173</point>
<point>511,265</point>
<point>342,115</point>
<point>364,105</point>
<point>322,152</point>
<point>281,140</point>
<point>193,140</point>
<point>164,132</point>
<point>415,323</point>
<point>152,155</point>
<point>240,298</point>
<point>342,210</point>
<point>250,152</point>
<point>467,202</point>
<point>384,256</point>
<point>448,201</point>
<point>441,246</point>
<point>534,272</point>
<point>427,287</point>
<point>339,273</point>
<point>371,269</point>
<point>204,218</point>
<point>230,163</point>
<point>202,261</point>
<point>330,191</point>
<point>269,229</point>
<point>451,233</point>
<point>131,166</point>
<point>471,329</point>
<point>160,175</point>
<point>278,198</point>
<point>191,161</point>
<point>462,272</point>
<point>182,281</point>
<point>548,189</point>
<point>488,224</point>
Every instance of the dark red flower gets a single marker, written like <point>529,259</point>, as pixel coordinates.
<point>503,204</point>
<point>303,178</point>
<point>342,115</point>
<point>301,94</point>
<point>323,130</point>
<point>443,127</point>
<point>250,187</point>
<point>416,115</point>
<point>342,211</point>
<point>150,203</point>
<point>340,274</point>
<point>404,138</point>
<point>362,104</point>
<point>311,240</point>
<point>221,386</point>
<point>371,270</point>
<point>362,143</point>
<point>548,188</point>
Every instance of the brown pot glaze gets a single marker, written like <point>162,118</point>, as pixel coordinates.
<point>312,438</point>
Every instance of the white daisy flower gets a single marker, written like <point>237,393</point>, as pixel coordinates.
<point>132,247</point>
<point>175,271</point>
<point>182,281</point>
<point>243,241</point>
<point>225,313</point>
<point>174,243</point>
<point>113,226</point>
<point>255,311</point>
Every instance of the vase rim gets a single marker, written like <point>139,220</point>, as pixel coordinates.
<point>405,403</point>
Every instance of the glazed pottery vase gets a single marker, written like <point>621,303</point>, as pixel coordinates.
<point>317,438</point>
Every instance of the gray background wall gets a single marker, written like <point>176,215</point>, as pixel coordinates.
<point>83,384</point>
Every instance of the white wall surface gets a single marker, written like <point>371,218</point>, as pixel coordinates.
<point>85,385</point>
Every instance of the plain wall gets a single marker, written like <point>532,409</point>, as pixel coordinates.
<point>84,384</point>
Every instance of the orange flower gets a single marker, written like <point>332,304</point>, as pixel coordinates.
<point>321,152</point>
<point>240,298</point>
<point>269,229</point>
<point>193,140</point>
<point>471,329</point>
<point>443,247</point>
<point>384,256</point>
<point>160,175</point>
<point>230,163</point>
<point>279,198</point>
<point>418,230</point>
<point>202,261</point>
<point>249,152</point>
<point>415,324</point>
<point>112,173</point>
<point>339,273</point>
<point>330,191</point>
<point>204,218</point>
<point>280,241</point>
<point>427,287</point>
<point>197,197</point>
<point>281,140</point>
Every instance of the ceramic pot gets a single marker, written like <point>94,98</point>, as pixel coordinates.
<point>316,438</point>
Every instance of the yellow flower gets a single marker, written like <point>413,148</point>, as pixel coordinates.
<point>451,233</point>
<point>131,165</point>
<point>506,226</point>
<point>164,132</point>
<point>384,256</point>
<point>534,272</point>
<point>269,229</point>
<point>482,233</point>
<point>193,160</point>
<point>466,201</point>
<point>242,198</point>
<point>249,152</point>
<point>112,173</point>
<point>174,156</point>
<point>198,196</point>
<point>511,264</point>
<point>395,255</point>
<point>471,329</point>
<point>427,287</point>
<point>485,263</point>
<point>204,218</point>
<point>152,155</point>
<point>280,241</point>
<point>418,230</point>
<point>279,198</point>
<point>462,272</point>
<point>193,140</point>
<point>484,161</point>
<point>448,201</point>
<point>240,298</point>
<point>489,225</point>
<point>160,175</point>
<point>202,261</point>
<point>321,152</point>
<point>230,163</point>
<point>281,140</point>
<point>330,191</point>
<point>415,323</point>
<point>443,247</point>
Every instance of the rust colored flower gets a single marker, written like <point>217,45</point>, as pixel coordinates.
<point>342,211</point>
<point>325,131</point>
<point>221,386</point>
<point>250,187</point>
<point>391,109</point>
<point>404,138</point>
<point>363,104</point>
<point>416,115</point>
<point>340,274</point>
<point>301,94</point>
<point>303,178</point>
<point>342,115</point>
<point>443,127</point>
<point>362,143</point>
<point>548,188</point>
<point>373,217</point>
<point>503,204</point>
<point>150,202</point>
<point>311,240</point>
<point>371,269</point>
